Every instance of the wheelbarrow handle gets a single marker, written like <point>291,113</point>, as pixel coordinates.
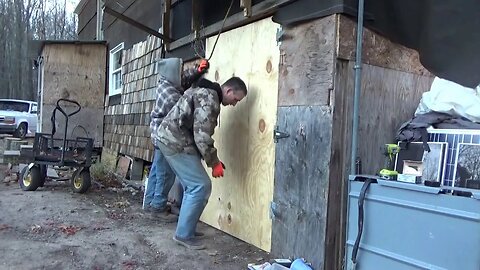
<point>79,107</point>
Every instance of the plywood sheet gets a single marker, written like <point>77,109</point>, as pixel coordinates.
<point>301,183</point>
<point>75,71</point>
<point>306,68</point>
<point>376,49</point>
<point>388,98</point>
<point>239,204</point>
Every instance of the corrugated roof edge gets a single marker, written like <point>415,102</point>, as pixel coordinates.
<point>45,42</point>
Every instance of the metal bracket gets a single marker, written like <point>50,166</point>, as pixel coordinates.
<point>247,7</point>
<point>277,135</point>
<point>279,35</point>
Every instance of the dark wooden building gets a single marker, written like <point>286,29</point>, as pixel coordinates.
<point>285,196</point>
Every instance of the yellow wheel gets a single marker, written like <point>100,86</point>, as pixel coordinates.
<point>27,180</point>
<point>30,179</point>
<point>77,182</point>
<point>81,180</point>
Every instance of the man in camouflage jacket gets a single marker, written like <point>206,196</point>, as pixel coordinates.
<point>171,85</point>
<point>185,136</point>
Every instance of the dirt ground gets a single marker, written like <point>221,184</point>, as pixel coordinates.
<point>53,228</point>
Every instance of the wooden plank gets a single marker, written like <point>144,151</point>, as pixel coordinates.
<point>306,67</point>
<point>123,166</point>
<point>301,183</point>
<point>339,165</point>
<point>376,49</point>
<point>239,204</point>
<point>166,20</point>
<point>195,18</point>
<point>259,11</point>
<point>135,23</point>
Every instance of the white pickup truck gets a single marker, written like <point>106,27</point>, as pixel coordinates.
<point>18,117</point>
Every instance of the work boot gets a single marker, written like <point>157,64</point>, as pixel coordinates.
<point>174,209</point>
<point>189,243</point>
<point>147,209</point>
<point>164,215</point>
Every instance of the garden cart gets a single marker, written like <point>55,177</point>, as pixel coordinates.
<point>49,151</point>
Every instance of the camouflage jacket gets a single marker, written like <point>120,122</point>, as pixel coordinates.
<point>189,126</point>
<point>167,95</point>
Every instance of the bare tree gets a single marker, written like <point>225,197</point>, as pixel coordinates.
<point>22,21</point>
<point>469,158</point>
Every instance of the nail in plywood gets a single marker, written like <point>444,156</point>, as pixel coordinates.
<point>240,201</point>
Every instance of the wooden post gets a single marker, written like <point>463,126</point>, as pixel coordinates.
<point>166,22</point>
<point>196,18</point>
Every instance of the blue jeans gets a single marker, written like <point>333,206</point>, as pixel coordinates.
<point>197,187</point>
<point>160,181</point>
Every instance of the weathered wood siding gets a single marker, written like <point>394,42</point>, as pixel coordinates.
<point>301,183</point>
<point>388,98</point>
<point>76,72</point>
<point>302,160</point>
<point>307,56</point>
<point>393,81</point>
<point>127,124</point>
<point>376,49</point>
<point>316,74</point>
<point>87,21</point>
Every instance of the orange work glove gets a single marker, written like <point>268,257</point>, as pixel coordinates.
<point>217,170</point>
<point>203,66</point>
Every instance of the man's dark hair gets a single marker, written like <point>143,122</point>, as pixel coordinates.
<point>236,84</point>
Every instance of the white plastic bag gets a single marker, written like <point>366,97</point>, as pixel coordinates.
<point>451,98</point>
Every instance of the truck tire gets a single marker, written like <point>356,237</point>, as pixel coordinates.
<point>21,131</point>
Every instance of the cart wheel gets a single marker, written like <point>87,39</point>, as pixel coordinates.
<point>81,180</point>
<point>30,179</point>
<point>43,174</point>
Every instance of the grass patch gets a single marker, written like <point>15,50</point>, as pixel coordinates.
<point>102,174</point>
